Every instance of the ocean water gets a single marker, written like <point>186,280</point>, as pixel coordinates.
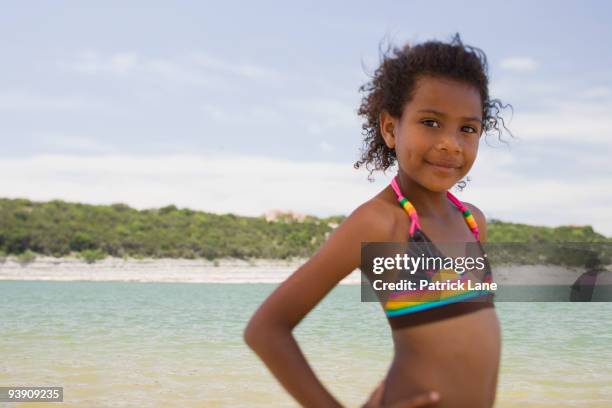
<point>113,344</point>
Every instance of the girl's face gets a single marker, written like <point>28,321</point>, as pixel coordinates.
<point>436,139</point>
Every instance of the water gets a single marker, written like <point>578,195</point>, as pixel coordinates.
<point>174,344</point>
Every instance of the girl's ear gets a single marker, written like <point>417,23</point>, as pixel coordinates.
<point>388,127</point>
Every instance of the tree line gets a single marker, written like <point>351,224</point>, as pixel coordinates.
<point>58,228</point>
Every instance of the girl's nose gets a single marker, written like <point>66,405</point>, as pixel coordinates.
<point>449,142</point>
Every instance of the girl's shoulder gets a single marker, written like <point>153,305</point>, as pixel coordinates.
<point>478,214</point>
<point>376,218</point>
<point>481,220</point>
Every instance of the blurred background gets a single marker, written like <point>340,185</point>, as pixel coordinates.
<point>248,107</point>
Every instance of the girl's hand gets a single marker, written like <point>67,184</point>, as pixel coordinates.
<point>422,400</point>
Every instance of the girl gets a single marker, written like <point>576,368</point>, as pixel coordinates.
<point>426,109</point>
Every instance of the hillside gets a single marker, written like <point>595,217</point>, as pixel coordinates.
<point>59,228</point>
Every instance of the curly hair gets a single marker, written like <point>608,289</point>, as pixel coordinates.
<point>392,87</point>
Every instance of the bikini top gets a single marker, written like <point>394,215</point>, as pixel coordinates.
<point>405,308</point>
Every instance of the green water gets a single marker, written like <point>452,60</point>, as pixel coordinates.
<point>170,344</point>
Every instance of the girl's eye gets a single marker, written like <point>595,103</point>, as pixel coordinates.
<point>435,124</point>
<point>427,121</point>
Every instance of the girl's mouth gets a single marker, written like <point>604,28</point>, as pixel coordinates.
<point>442,167</point>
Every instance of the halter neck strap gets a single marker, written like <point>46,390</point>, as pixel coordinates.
<point>414,217</point>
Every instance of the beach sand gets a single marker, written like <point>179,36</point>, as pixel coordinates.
<point>230,271</point>
<point>155,270</point>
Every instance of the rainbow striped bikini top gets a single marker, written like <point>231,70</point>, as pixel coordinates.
<point>401,307</point>
<point>469,218</point>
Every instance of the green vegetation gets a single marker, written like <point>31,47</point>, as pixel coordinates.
<point>499,231</point>
<point>26,257</point>
<point>92,232</point>
<point>92,255</point>
<point>57,228</point>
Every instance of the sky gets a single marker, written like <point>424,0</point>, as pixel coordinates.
<point>246,107</point>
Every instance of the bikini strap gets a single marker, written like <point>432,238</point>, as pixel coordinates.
<point>467,214</point>
<point>414,217</point>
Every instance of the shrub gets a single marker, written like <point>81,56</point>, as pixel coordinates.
<point>92,255</point>
<point>26,257</point>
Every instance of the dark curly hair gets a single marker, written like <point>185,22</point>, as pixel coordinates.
<point>392,87</point>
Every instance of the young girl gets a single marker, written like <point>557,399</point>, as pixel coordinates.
<point>426,109</point>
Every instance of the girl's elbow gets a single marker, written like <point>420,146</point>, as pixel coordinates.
<point>251,334</point>
<point>255,332</point>
<point>258,333</point>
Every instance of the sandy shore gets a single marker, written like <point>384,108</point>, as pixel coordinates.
<point>156,270</point>
<point>229,271</point>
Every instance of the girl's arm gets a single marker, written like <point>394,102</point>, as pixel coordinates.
<point>269,332</point>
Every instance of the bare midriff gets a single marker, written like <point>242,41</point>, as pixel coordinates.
<point>457,357</point>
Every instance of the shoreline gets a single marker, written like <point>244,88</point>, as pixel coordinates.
<point>228,270</point>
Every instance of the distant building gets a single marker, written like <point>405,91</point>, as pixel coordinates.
<point>280,215</point>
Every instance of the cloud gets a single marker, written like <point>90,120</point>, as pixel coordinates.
<point>239,114</point>
<point>246,70</point>
<point>24,100</point>
<point>318,115</point>
<point>540,195</point>
<point>90,62</point>
<point>598,92</point>
<point>215,112</point>
<point>326,147</point>
<point>176,72</point>
<point>566,121</point>
<point>71,143</point>
<point>519,64</point>
<point>556,111</point>
<point>326,112</point>
<point>129,64</point>
<point>219,183</point>
<point>210,182</point>
<point>196,68</point>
